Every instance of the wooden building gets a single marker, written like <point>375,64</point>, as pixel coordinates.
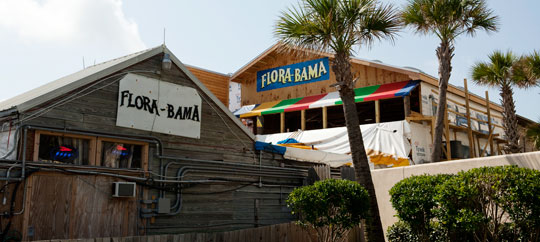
<point>285,91</point>
<point>136,145</point>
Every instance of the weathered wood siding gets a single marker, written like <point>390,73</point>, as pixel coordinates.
<point>206,207</point>
<point>66,206</point>
<point>368,76</point>
<point>217,83</point>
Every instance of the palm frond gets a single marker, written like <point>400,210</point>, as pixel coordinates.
<point>336,25</point>
<point>449,18</point>
<point>533,65</point>
<point>505,68</point>
<point>382,22</point>
<point>483,74</point>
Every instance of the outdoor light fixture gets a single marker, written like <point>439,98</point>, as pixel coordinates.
<point>166,63</point>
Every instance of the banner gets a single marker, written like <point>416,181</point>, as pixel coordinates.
<point>292,75</point>
<point>153,105</point>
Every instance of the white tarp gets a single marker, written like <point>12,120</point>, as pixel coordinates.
<point>332,159</point>
<point>390,139</point>
<point>153,105</point>
<point>7,142</point>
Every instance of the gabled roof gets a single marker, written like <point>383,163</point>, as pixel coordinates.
<point>413,73</point>
<point>55,89</point>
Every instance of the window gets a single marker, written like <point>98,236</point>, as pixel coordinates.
<point>65,148</point>
<point>120,153</point>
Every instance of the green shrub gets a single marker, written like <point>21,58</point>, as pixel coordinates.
<point>331,207</point>
<point>402,232</point>
<point>414,200</point>
<point>482,204</point>
<point>490,204</point>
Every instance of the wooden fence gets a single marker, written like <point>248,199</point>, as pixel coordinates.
<point>288,232</point>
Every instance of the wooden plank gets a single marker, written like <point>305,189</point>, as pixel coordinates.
<point>447,134</point>
<point>377,112</point>
<point>303,119</point>
<point>282,122</point>
<point>36,145</point>
<point>407,105</point>
<point>325,117</point>
<point>469,127</point>
<point>490,140</point>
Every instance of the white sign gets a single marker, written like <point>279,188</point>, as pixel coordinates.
<point>153,105</point>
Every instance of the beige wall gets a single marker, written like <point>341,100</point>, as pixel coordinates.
<point>384,179</point>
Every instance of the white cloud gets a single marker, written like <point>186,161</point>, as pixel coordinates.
<point>84,23</point>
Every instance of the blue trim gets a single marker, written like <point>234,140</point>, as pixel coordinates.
<point>269,147</point>
<point>407,88</point>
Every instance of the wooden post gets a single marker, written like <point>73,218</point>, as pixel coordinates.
<point>282,122</point>
<point>447,129</point>
<point>432,129</point>
<point>303,119</point>
<point>489,123</point>
<point>407,105</point>
<point>489,141</point>
<point>377,112</point>
<point>478,144</point>
<point>469,127</point>
<point>324,118</point>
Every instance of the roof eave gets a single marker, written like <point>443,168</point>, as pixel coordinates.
<point>24,106</point>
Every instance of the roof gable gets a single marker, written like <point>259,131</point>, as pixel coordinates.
<point>411,72</point>
<point>67,84</point>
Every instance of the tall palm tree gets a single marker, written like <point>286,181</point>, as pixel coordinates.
<point>447,19</point>
<point>338,26</point>
<point>506,70</point>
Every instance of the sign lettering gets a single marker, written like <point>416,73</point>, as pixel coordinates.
<point>295,74</point>
<point>153,105</point>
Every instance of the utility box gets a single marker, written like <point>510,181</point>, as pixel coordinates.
<point>164,205</point>
<point>123,189</point>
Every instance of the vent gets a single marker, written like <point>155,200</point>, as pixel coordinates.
<point>123,189</point>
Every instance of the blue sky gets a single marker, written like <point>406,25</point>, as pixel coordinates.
<point>43,40</point>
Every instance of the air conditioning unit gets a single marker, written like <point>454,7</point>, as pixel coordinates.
<point>123,189</point>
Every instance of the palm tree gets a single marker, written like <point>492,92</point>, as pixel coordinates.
<point>447,19</point>
<point>506,70</point>
<point>337,26</point>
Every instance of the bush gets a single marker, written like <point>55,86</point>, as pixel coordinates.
<point>491,203</point>
<point>482,204</point>
<point>331,207</point>
<point>414,200</point>
<point>402,232</point>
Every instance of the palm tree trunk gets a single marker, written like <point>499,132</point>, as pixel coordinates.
<point>344,78</point>
<point>445,52</point>
<point>510,119</point>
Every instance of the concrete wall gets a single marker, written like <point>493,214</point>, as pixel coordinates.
<point>384,179</point>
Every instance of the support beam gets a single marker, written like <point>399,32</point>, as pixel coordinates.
<point>377,112</point>
<point>469,127</point>
<point>324,117</point>
<point>489,124</point>
<point>447,134</point>
<point>303,119</point>
<point>282,122</point>
<point>407,105</point>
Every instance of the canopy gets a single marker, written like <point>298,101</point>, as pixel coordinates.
<point>362,94</point>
